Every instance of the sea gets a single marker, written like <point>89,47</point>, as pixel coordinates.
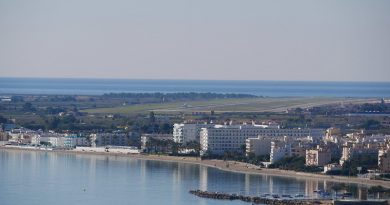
<point>38,178</point>
<point>61,86</point>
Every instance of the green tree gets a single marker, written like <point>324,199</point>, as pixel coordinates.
<point>175,147</point>
<point>152,118</point>
<point>28,107</point>
<point>53,123</point>
<point>371,124</point>
<point>47,144</point>
<point>3,119</point>
<point>243,148</point>
<point>365,161</point>
<point>193,145</point>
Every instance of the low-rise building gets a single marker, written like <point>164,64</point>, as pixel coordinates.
<point>319,156</point>
<point>52,139</point>
<point>36,139</point>
<point>287,147</point>
<point>115,139</point>
<point>332,135</point>
<point>385,122</point>
<point>73,140</point>
<point>3,136</point>
<point>109,149</point>
<point>298,149</point>
<point>21,135</point>
<point>145,138</point>
<point>259,146</point>
<point>352,150</point>
<point>332,167</point>
<point>384,159</point>
<point>59,140</point>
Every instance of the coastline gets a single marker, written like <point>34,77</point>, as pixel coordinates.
<point>231,166</point>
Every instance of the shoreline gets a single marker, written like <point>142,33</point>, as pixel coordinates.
<point>231,166</point>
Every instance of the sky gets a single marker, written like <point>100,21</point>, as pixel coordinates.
<point>299,40</point>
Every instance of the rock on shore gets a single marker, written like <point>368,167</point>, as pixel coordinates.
<point>257,200</point>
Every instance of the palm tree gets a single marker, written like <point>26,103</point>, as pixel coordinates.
<point>193,145</point>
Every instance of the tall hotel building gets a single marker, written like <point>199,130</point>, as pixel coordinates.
<point>221,138</point>
<point>183,133</point>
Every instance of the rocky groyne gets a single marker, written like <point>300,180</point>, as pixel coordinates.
<point>258,200</point>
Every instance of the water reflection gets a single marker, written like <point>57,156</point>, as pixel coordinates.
<point>203,178</point>
<point>99,179</point>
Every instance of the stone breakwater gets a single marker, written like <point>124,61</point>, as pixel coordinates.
<point>258,200</point>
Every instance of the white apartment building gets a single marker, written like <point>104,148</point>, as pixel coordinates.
<point>279,150</point>
<point>59,140</point>
<point>287,147</point>
<point>320,156</point>
<point>73,140</point>
<point>259,146</point>
<point>221,138</point>
<point>115,139</point>
<point>54,141</point>
<point>183,133</point>
<point>21,135</point>
<point>36,139</point>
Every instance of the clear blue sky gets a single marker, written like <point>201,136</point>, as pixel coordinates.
<point>328,40</point>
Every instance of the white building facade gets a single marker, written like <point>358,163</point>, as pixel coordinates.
<point>183,133</point>
<point>115,139</point>
<point>279,150</point>
<point>258,146</point>
<point>221,138</point>
<point>319,156</point>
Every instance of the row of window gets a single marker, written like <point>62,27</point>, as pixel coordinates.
<point>225,145</point>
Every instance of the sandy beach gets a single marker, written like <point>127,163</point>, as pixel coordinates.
<point>232,166</point>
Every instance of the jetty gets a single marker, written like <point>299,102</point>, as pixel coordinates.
<point>282,201</point>
<point>259,200</point>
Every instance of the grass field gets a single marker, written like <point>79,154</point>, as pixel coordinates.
<point>228,105</point>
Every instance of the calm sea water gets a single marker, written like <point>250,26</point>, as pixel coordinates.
<point>39,178</point>
<point>261,88</point>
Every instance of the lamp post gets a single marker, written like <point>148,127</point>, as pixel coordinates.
<point>359,169</point>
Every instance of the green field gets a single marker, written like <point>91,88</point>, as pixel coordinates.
<point>228,105</point>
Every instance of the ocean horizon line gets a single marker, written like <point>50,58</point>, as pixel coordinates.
<point>93,86</point>
<point>194,80</point>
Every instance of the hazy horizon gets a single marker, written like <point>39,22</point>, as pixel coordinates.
<point>336,41</point>
<point>177,79</point>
